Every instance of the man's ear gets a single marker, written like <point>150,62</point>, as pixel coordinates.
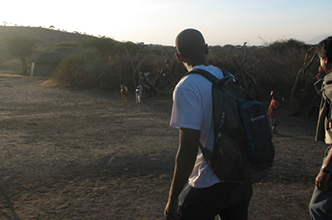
<point>324,60</point>
<point>206,49</point>
<point>179,57</point>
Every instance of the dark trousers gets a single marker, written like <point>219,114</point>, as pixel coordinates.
<point>228,200</point>
<point>320,206</point>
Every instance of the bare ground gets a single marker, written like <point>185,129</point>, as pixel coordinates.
<point>83,154</point>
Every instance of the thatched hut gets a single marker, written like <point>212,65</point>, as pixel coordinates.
<point>46,63</point>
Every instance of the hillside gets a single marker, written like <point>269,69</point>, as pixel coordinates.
<point>43,34</point>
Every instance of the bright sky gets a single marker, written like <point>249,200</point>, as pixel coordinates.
<point>159,21</point>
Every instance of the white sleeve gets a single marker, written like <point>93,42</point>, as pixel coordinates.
<point>187,109</point>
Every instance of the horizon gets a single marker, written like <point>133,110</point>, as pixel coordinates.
<point>158,22</point>
<point>316,39</point>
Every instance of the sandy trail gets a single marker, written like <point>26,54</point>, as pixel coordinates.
<point>83,154</point>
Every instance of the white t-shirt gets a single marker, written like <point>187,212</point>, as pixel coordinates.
<point>192,108</point>
<point>328,133</point>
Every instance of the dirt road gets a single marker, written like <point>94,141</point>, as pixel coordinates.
<point>83,154</point>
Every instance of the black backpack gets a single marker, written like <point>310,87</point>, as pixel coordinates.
<point>243,151</point>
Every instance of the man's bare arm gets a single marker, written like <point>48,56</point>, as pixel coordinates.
<point>184,164</point>
<point>323,177</point>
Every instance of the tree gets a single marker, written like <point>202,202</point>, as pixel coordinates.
<point>247,77</point>
<point>301,75</point>
<point>21,47</point>
<point>136,64</point>
<point>104,47</point>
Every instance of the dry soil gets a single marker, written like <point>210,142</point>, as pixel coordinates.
<point>83,154</point>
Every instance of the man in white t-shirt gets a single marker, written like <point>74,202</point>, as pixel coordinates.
<point>192,114</point>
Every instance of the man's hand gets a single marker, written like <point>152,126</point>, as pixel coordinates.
<point>172,210</point>
<point>321,181</point>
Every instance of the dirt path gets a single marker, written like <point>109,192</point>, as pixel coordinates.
<point>82,154</point>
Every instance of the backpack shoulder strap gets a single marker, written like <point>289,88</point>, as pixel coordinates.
<point>205,74</point>
<point>227,76</point>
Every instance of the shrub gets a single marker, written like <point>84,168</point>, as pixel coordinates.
<point>22,47</point>
<point>85,70</point>
<point>78,70</point>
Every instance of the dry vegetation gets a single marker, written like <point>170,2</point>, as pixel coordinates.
<point>75,60</point>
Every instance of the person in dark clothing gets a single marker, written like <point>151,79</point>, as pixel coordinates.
<point>320,206</point>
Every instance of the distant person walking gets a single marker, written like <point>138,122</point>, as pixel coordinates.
<point>274,111</point>
<point>124,93</point>
<point>139,93</point>
<point>320,206</point>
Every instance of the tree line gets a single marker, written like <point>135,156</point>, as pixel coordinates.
<point>289,66</point>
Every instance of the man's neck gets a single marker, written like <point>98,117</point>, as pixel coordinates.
<point>190,66</point>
